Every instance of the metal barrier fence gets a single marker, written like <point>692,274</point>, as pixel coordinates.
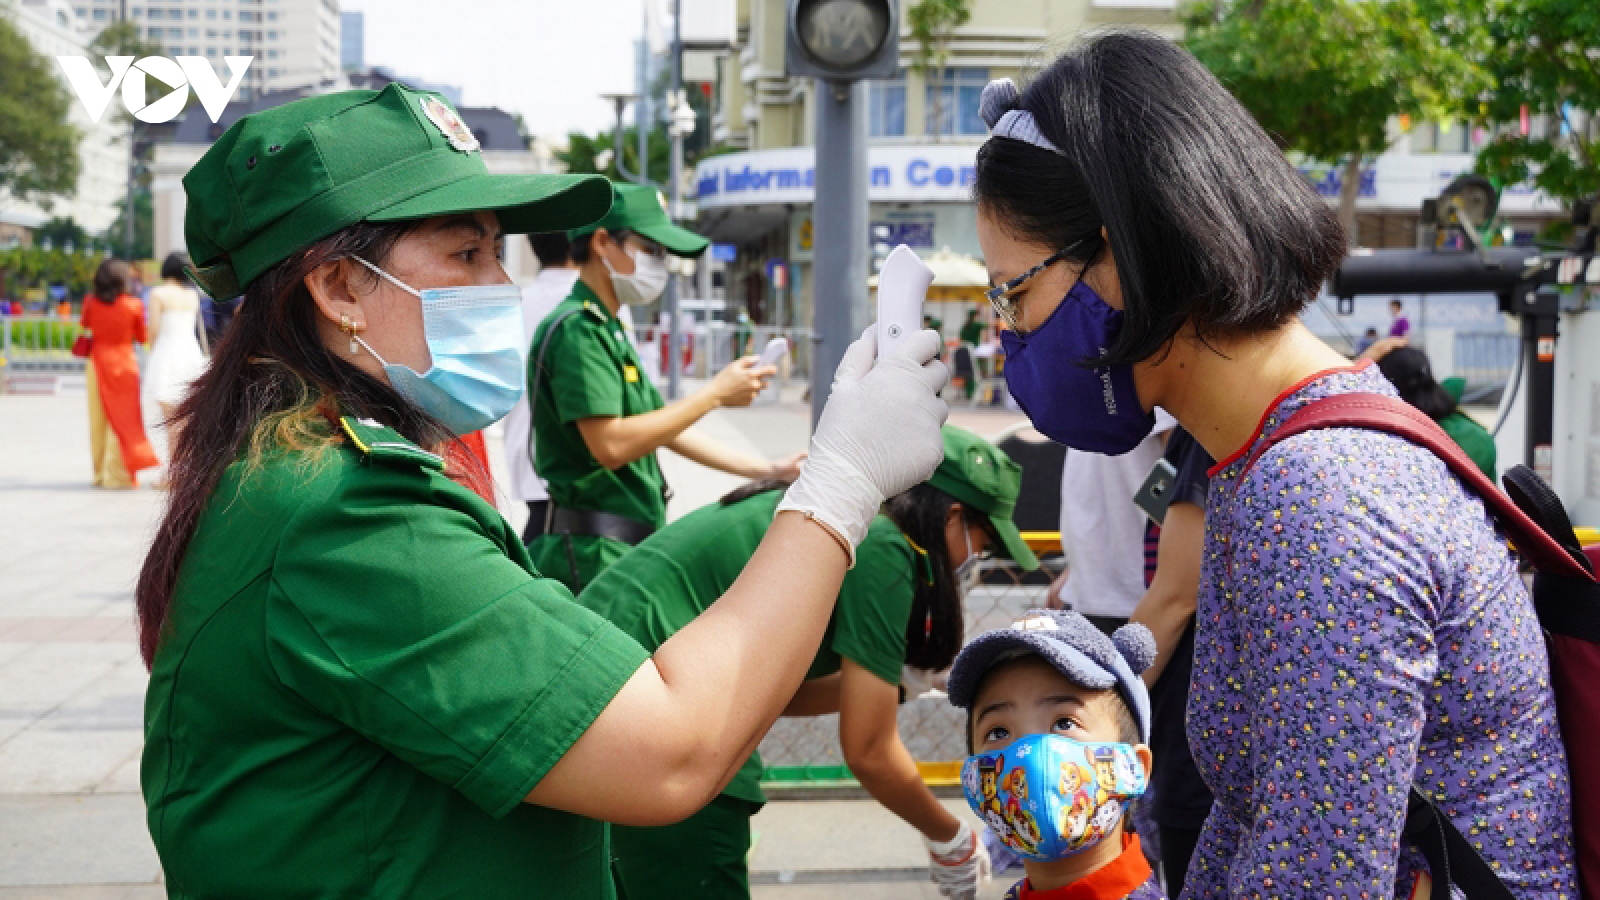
<point>806,750</point>
<point>38,343</point>
<point>712,345</point>
<point>1485,359</point>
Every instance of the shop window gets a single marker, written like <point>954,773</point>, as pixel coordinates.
<point>886,108</point>
<point>952,103</point>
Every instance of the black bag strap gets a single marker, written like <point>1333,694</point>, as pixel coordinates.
<point>1451,858</point>
<point>538,371</point>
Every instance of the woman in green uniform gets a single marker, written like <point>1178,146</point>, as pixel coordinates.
<point>597,418</point>
<point>359,685</point>
<point>900,606</point>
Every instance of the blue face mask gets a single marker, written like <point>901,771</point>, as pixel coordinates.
<point>1096,410</point>
<point>474,336</point>
<point>1048,797</point>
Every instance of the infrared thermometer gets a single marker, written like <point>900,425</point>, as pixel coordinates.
<point>773,353</point>
<point>902,286</point>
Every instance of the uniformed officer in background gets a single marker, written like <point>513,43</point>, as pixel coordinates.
<point>597,418</point>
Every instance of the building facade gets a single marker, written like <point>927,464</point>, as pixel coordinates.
<point>924,131</point>
<point>924,134</point>
<point>293,42</point>
<point>53,28</point>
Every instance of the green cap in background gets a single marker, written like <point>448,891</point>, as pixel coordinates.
<point>984,479</point>
<point>638,209</point>
<point>282,179</point>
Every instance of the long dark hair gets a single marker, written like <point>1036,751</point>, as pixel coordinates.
<point>936,627</point>
<point>112,279</point>
<point>271,382</point>
<point>1407,368</point>
<point>1209,223</point>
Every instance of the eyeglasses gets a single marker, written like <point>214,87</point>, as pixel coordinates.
<point>1005,305</point>
<point>645,245</point>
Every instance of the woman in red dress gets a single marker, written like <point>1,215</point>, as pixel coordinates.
<point>117,444</point>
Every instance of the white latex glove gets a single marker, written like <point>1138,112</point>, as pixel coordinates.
<point>878,435</point>
<point>958,865</point>
<point>916,681</point>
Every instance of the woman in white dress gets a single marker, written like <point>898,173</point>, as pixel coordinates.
<point>176,357</point>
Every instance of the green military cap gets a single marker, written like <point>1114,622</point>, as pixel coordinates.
<point>283,178</point>
<point>638,209</point>
<point>984,479</point>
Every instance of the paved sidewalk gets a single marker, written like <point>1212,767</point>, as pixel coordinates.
<point>71,683</point>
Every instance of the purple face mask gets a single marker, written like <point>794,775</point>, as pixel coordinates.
<point>1096,410</point>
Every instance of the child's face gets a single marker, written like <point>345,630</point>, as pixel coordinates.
<point>1028,696</point>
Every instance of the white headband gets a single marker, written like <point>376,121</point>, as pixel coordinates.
<point>999,111</point>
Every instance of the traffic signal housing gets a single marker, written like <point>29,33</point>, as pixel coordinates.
<point>842,40</point>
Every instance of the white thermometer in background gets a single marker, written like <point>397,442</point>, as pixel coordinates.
<point>902,286</point>
<point>773,353</point>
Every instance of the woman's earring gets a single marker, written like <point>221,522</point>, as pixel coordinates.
<point>348,327</point>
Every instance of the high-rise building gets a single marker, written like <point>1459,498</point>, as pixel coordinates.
<point>294,42</point>
<point>352,40</point>
<point>53,29</point>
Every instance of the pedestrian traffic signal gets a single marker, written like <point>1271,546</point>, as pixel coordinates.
<point>843,40</point>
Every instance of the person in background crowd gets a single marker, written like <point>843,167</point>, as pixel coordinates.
<point>554,282</point>
<point>598,420</point>
<point>1361,627</point>
<point>1365,341</point>
<point>177,358</point>
<point>1400,326</point>
<point>1178,801</point>
<point>1103,533</point>
<point>898,619</point>
<point>1408,370</point>
<point>114,317</point>
<point>972,329</point>
<point>360,685</point>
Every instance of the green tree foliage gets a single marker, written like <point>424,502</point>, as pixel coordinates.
<point>584,154</point>
<point>144,217</point>
<point>23,268</point>
<point>1545,57</point>
<point>933,22</point>
<point>61,233</point>
<point>120,39</point>
<point>1325,78</point>
<point>38,144</point>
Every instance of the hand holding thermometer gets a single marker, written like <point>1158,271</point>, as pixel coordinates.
<point>773,353</point>
<point>902,286</point>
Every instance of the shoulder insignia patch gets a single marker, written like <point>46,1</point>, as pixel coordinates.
<point>379,442</point>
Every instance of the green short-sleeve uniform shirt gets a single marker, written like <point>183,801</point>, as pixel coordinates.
<point>360,681</point>
<point>590,370</point>
<point>678,572</point>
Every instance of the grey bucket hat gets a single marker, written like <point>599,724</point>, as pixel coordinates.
<point>1077,649</point>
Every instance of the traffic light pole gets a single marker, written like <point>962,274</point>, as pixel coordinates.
<point>839,261</point>
<point>675,185</point>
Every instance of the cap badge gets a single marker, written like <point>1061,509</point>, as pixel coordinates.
<point>1036,623</point>
<point>450,125</point>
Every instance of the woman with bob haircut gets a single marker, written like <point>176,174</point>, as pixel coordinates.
<point>1362,629</point>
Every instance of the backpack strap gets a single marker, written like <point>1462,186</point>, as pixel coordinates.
<point>536,373</point>
<point>1380,413</point>
<point>1451,857</point>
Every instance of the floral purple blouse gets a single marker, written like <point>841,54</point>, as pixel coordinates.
<point>1362,628</point>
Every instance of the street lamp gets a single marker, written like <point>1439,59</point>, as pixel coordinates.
<point>620,102</point>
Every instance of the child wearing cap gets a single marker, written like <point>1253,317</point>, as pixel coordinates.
<point>1057,724</point>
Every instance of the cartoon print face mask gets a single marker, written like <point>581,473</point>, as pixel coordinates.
<point>1048,796</point>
